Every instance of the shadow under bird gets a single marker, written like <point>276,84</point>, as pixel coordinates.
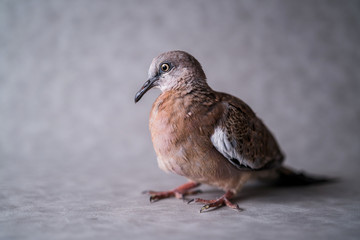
<point>207,136</point>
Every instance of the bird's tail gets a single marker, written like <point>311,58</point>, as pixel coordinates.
<point>289,177</point>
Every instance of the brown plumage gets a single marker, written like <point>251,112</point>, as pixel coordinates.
<point>206,136</point>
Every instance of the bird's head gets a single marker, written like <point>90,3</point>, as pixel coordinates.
<point>174,70</point>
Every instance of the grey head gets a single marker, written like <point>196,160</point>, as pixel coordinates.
<point>174,70</point>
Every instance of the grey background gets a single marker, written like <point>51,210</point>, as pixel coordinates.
<point>75,151</point>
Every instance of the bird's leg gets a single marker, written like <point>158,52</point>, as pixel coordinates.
<point>179,192</point>
<point>216,203</point>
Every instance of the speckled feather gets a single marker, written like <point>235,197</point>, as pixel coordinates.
<point>250,139</point>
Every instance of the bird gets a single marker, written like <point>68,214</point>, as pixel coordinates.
<point>208,137</point>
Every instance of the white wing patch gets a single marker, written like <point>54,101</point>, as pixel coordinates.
<point>227,148</point>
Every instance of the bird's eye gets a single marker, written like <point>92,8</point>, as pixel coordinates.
<point>165,67</point>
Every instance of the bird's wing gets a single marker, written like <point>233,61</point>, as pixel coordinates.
<point>243,139</point>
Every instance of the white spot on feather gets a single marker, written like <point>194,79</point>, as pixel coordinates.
<point>225,146</point>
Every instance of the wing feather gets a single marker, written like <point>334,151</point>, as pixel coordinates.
<point>243,139</point>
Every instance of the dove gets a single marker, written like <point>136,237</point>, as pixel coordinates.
<point>207,136</point>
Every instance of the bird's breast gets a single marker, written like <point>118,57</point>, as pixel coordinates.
<point>180,131</point>
<point>169,134</point>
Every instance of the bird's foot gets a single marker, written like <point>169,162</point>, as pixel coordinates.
<point>179,192</point>
<point>216,203</point>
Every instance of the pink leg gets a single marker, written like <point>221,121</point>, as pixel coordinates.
<point>216,203</point>
<point>178,192</point>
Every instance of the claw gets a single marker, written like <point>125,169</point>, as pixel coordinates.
<point>179,192</point>
<point>238,208</point>
<point>184,190</point>
<point>154,199</point>
<point>205,207</point>
<point>214,204</point>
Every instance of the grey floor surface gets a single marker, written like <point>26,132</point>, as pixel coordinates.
<point>75,151</point>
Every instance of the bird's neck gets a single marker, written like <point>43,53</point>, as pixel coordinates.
<point>192,86</point>
<point>194,96</point>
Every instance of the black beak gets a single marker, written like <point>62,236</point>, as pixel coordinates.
<point>146,87</point>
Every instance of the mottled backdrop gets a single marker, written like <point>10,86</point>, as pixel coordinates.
<point>75,151</point>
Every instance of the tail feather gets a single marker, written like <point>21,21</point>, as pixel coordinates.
<point>289,177</point>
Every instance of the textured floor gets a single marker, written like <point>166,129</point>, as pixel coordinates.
<point>64,204</point>
<point>75,151</point>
